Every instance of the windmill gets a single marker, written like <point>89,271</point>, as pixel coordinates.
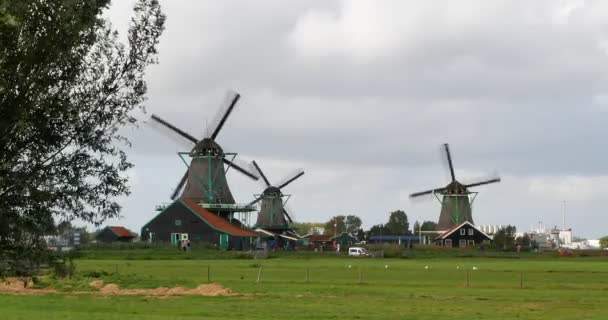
<point>273,215</point>
<point>205,178</point>
<point>455,198</point>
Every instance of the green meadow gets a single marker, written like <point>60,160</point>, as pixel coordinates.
<point>332,288</point>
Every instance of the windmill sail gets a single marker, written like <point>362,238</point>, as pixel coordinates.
<point>455,201</point>
<point>205,180</point>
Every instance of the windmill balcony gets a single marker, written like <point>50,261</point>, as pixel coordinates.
<point>226,207</point>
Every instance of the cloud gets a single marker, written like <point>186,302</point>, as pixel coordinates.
<point>362,94</point>
<point>574,188</point>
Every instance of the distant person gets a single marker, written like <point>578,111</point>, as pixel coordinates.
<point>338,248</point>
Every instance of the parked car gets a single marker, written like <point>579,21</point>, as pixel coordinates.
<point>358,252</point>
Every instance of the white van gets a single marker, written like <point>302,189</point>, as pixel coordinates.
<point>358,252</point>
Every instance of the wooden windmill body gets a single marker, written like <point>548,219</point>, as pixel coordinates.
<point>456,199</point>
<point>273,216</point>
<point>205,179</point>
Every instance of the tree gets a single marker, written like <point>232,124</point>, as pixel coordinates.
<point>67,86</point>
<point>397,223</point>
<point>64,227</point>
<point>336,225</point>
<point>352,224</point>
<point>360,234</point>
<point>416,227</point>
<point>505,237</point>
<point>429,226</point>
<point>604,242</point>
<point>524,241</point>
<point>378,230</point>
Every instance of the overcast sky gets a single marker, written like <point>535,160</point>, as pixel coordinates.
<point>361,94</point>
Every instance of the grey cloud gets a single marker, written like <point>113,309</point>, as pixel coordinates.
<point>515,94</point>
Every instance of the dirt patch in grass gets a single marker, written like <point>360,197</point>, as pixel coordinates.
<point>212,290</point>
<point>17,286</point>
<point>98,284</point>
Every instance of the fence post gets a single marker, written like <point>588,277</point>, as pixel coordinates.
<point>521,280</point>
<point>259,275</point>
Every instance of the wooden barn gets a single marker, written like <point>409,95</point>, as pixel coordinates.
<point>319,241</point>
<point>185,219</point>
<point>462,235</point>
<point>344,239</point>
<point>115,234</point>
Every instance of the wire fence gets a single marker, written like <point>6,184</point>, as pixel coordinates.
<point>386,275</point>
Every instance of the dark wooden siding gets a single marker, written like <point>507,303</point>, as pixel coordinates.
<point>477,236</point>
<point>106,235</point>
<point>177,218</point>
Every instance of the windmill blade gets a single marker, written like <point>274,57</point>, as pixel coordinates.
<point>179,143</point>
<point>447,152</point>
<point>255,164</point>
<point>288,181</point>
<point>424,193</point>
<point>241,169</point>
<point>180,186</point>
<point>223,114</point>
<point>258,199</point>
<point>476,184</point>
<point>173,128</point>
<point>287,215</point>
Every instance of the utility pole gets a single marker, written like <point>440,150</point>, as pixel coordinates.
<point>420,232</point>
<point>564,216</point>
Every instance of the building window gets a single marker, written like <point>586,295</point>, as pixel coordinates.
<point>471,243</point>
<point>448,243</point>
<point>471,232</point>
<point>462,243</point>
<point>463,232</point>
<point>178,222</point>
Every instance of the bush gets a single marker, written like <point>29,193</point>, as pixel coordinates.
<point>604,242</point>
<point>63,270</point>
<point>62,264</point>
<point>95,274</point>
<point>389,250</point>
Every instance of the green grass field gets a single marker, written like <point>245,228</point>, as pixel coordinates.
<point>554,288</point>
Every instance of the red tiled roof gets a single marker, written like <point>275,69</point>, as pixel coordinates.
<point>218,222</point>
<point>122,232</point>
<point>448,232</point>
<point>319,237</point>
